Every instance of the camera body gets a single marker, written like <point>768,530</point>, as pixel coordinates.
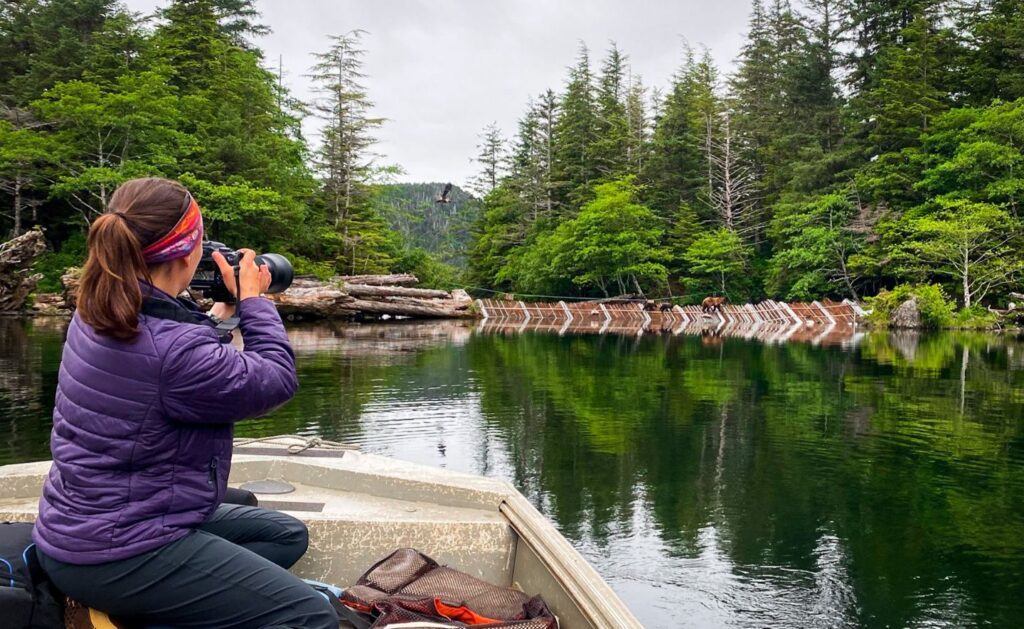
<point>210,282</point>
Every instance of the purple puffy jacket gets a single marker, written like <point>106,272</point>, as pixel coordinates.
<point>142,430</point>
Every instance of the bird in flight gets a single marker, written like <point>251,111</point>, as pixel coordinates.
<point>446,195</point>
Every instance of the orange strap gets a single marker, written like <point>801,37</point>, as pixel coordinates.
<point>462,614</point>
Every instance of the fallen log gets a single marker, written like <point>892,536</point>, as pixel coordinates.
<point>334,300</point>
<point>319,301</point>
<point>398,279</point>
<point>409,308</point>
<point>16,277</point>
<point>366,290</point>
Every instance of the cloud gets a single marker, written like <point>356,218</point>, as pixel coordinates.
<point>441,70</point>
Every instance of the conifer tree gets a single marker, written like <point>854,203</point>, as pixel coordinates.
<point>344,160</point>
<point>677,165</point>
<point>49,42</point>
<point>638,127</point>
<point>573,170</point>
<point>492,155</point>
<point>547,114</point>
<point>994,30</point>
<point>610,150</point>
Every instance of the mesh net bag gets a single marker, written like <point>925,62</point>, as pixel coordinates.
<point>407,586</point>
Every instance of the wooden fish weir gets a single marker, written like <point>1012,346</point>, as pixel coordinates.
<point>820,322</point>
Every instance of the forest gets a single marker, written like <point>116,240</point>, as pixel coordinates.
<point>857,146</point>
<point>92,95</point>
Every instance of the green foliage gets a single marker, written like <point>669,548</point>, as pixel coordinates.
<point>935,307</point>
<point>431,272</point>
<point>320,269</point>
<point>99,95</point>
<point>613,245</point>
<point>718,257</point>
<point>53,264</point>
<point>976,318</point>
<point>973,243</point>
<point>814,245</point>
<point>441,229</point>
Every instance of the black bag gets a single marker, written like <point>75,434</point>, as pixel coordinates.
<point>27,598</point>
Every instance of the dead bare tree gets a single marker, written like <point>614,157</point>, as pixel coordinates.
<point>732,183</point>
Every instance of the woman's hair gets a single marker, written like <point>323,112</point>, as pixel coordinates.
<point>140,212</point>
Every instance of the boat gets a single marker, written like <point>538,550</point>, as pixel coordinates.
<point>360,507</point>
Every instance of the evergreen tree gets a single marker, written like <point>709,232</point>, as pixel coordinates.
<point>677,167</point>
<point>610,150</point>
<point>530,171</point>
<point>44,42</point>
<point>638,127</point>
<point>994,31</point>
<point>903,106</point>
<point>492,155</point>
<point>875,26</point>
<point>231,104</point>
<point>575,136</point>
<point>344,159</point>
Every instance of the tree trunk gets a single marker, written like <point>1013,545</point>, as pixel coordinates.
<point>363,290</point>
<point>400,279</point>
<point>412,308</point>
<point>17,206</point>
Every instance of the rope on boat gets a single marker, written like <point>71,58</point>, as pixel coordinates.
<point>305,443</point>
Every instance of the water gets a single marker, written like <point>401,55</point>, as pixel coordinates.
<point>712,481</point>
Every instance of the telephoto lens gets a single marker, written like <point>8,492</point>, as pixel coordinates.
<point>281,271</point>
<point>210,283</point>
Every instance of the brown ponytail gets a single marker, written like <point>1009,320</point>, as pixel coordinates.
<point>140,212</point>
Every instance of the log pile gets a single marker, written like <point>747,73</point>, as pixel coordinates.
<point>337,298</point>
<point>373,297</point>
<point>17,280</point>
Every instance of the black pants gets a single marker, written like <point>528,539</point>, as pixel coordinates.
<point>230,572</point>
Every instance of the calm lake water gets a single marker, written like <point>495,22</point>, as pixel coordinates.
<point>712,481</point>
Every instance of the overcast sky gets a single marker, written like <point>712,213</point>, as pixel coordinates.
<point>441,70</point>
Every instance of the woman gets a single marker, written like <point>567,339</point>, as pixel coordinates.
<point>130,520</point>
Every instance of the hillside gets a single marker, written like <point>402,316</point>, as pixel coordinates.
<point>442,229</point>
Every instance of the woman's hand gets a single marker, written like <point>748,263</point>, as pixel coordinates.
<point>254,280</point>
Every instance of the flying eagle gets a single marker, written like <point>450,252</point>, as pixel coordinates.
<point>444,198</point>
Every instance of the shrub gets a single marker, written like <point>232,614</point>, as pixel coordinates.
<point>431,272</point>
<point>935,307</point>
<point>53,264</point>
<point>976,317</point>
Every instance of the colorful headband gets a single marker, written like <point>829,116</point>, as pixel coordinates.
<point>181,240</point>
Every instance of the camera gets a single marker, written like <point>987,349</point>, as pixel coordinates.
<point>209,281</point>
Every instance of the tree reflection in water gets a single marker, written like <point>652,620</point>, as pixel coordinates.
<point>875,481</point>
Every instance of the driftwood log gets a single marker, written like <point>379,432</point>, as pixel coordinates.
<point>398,279</point>
<point>17,280</point>
<point>338,299</point>
<point>364,290</point>
<point>309,299</point>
